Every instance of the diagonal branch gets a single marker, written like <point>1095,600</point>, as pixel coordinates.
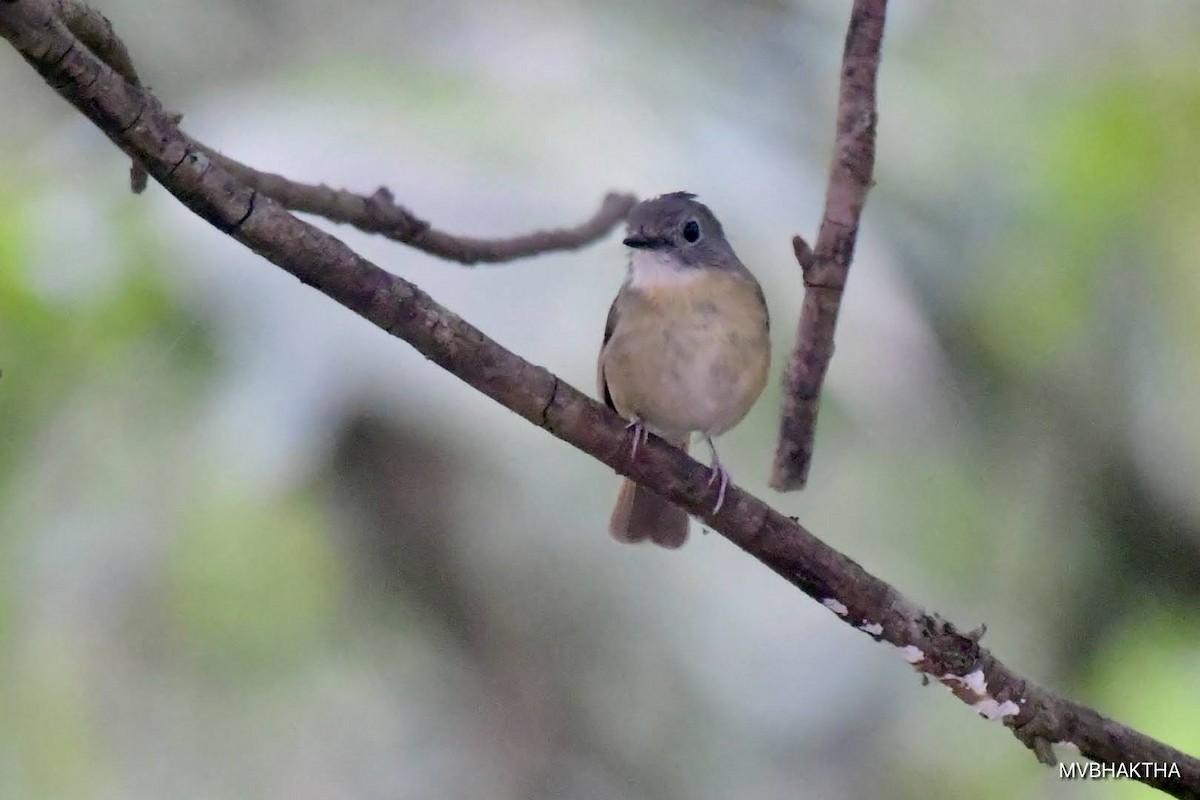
<point>134,121</point>
<point>825,268</point>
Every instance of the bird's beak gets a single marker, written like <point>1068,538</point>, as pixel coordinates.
<point>641,242</point>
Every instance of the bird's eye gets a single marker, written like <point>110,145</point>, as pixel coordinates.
<point>691,231</point>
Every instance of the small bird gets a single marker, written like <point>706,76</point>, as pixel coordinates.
<point>686,349</point>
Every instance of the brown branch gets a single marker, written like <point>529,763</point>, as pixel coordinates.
<point>134,121</point>
<point>380,213</point>
<point>94,30</point>
<point>826,267</point>
<point>375,213</point>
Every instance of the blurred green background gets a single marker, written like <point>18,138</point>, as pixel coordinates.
<point>252,547</point>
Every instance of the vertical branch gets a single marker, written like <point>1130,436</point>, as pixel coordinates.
<point>825,268</point>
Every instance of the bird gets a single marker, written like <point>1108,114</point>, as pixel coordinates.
<point>686,350</point>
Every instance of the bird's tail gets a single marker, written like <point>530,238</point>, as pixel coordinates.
<point>641,514</point>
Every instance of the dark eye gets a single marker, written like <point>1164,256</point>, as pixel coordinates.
<point>691,231</point>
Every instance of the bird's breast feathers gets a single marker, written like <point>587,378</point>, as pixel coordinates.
<point>689,353</point>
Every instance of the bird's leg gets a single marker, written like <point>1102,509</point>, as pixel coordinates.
<point>717,473</point>
<point>640,434</point>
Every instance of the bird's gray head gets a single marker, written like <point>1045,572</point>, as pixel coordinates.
<point>675,231</point>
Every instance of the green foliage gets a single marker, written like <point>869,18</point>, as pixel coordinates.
<point>1145,676</point>
<point>49,715</point>
<point>251,584</point>
<point>53,349</point>
<point>1107,178</point>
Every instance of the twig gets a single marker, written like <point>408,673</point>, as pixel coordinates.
<point>375,213</point>
<point>132,119</point>
<point>380,213</point>
<point>825,268</point>
<point>94,30</point>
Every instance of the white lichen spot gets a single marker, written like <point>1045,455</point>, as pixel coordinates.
<point>975,682</point>
<point>990,709</point>
<point>912,654</point>
<point>972,688</point>
<point>873,628</point>
<point>836,606</point>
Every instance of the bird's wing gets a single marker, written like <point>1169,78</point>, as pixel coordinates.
<point>601,384</point>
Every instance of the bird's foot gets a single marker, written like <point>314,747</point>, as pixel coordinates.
<point>717,473</point>
<point>720,475</point>
<point>640,434</point>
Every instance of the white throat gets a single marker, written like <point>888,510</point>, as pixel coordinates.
<point>649,269</point>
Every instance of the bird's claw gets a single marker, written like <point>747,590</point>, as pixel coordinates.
<point>718,473</point>
<point>640,434</point>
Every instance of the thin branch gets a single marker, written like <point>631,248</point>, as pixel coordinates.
<point>826,267</point>
<point>380,213</point>
<point>134,120</point>
<point>375,213</point>
<point>93,29</point>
